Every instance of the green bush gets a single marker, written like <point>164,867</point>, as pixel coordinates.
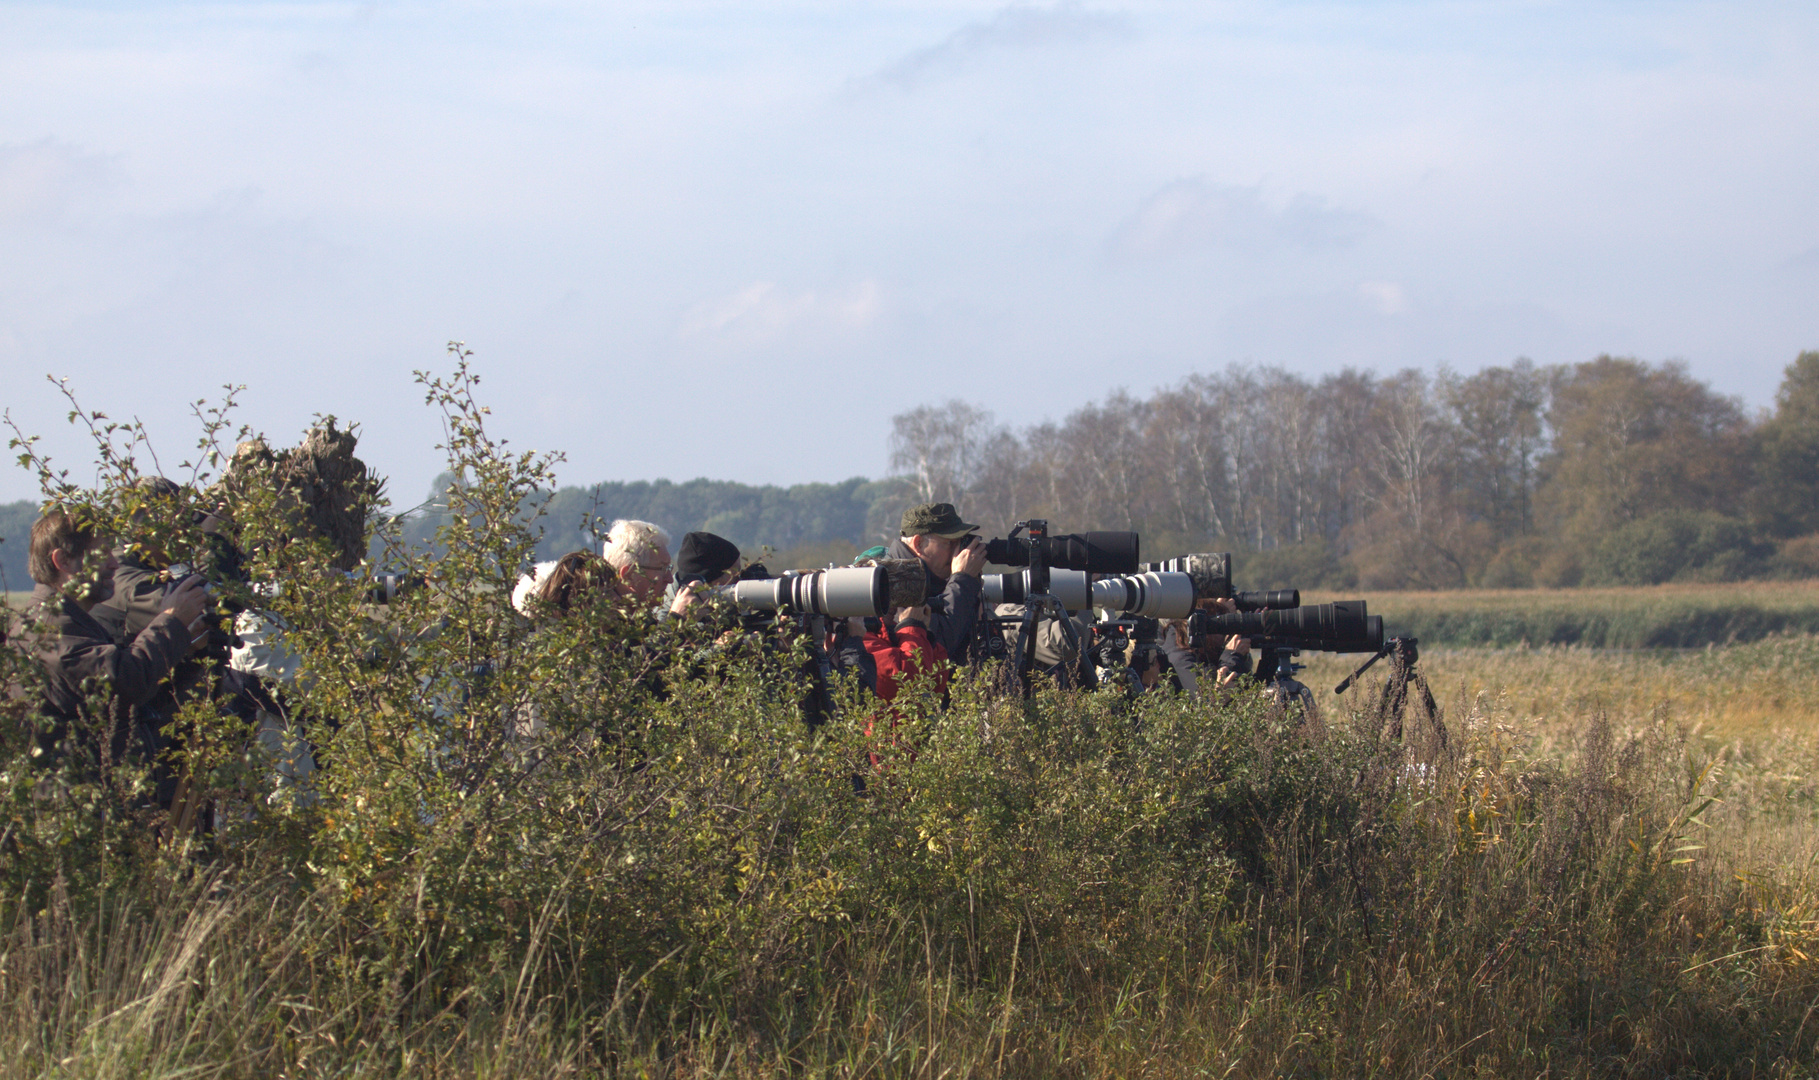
<point>1311,565</point>
<point>1676,545</point>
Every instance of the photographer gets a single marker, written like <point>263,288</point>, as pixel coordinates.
<point>144,578</point>
<point>902,649</point>
<point>1230,657</point>
<point>704,561</point>
<point>74,571</point>
<point>954,558</point>
<point>638,552</point>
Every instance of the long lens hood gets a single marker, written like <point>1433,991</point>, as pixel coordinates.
<point>841,593</point>
<point>1150,595</point>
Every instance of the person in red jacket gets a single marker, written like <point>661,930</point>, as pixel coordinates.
<point>902,650</point>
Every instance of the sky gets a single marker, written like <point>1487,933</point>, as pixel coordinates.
<point>733,239</point>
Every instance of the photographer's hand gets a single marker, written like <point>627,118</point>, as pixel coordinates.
<point>917,615</point>
<point>189,602</point>
<point>685,599</point>
<point>970,559</point>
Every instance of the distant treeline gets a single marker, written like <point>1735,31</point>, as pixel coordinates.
<point>15,533</point>
<point>1609,472</point>
<point>807,523</point>
<point>1613,471</point>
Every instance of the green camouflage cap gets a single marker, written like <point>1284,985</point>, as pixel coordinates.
<point>935,519</point>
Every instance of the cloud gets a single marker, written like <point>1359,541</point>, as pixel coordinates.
<point>1806,260</point>
<point>1386,296</point>
<point>763,310</point>
<point>1194,214</point>
<point>42,179</point>
<point>1012,28</point>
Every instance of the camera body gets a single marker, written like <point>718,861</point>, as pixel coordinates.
<point>1135,643</point>
<point>388,587</point>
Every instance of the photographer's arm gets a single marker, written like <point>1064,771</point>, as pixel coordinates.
<point>1181,659</point>
<point>955,614</point>
<point>135,670</point>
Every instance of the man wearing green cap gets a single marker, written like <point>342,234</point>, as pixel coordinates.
<point>952,557</point>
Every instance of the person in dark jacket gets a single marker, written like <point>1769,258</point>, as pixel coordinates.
<point>953,558</point>
<point>73,573</point>
<point>144,575</point>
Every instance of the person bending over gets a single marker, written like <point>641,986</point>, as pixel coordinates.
<point>73,571</point>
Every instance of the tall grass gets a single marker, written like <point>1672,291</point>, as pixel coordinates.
<point>1744,690</point>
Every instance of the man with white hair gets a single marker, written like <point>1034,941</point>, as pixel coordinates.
<point>639,553</point>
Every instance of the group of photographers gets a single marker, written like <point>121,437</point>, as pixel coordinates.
<point>950,622</point>
<point>123,621</point>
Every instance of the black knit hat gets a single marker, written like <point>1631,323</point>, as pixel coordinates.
<point>703,556</point>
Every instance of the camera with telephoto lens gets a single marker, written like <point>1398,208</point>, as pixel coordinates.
<point>1152,595</point>
<point>381,588</point>
<point>841,592</point>
<point>1095,552</point>
<point>1211,572</point>
<point>1340,627</point>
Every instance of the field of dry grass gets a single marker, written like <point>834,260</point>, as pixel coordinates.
<point>1657,616</point>
<point>1737,691</point>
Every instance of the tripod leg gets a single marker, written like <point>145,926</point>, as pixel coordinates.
<point>1024,658</point>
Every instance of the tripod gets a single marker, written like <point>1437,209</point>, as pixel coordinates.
<point>1036,600</point>
<point>1392,701</point>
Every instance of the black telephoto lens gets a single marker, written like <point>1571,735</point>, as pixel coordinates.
<point>1094,552</point>
<point>1268,600</point>
<point>1344,622</point>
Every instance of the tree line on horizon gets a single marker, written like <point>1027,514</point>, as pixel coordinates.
<point>1614,471</point>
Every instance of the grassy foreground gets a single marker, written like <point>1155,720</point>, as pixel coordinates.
<point>583,844</point>
<point>1073,888</point>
